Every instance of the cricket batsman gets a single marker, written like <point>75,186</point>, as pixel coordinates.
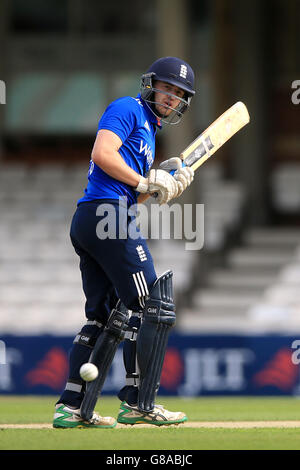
<point>125,298</point>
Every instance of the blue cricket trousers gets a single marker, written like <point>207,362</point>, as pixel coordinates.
<point>113,264</point>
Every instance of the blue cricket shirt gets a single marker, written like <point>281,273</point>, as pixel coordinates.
<point>132,120</point>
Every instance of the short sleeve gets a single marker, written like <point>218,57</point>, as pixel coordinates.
<point>120,117</point>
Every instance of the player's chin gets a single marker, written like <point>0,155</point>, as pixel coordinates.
<point>163,111</point>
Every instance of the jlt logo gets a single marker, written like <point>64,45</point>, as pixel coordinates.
<point>215,370</point>
<point>2,92</point>
<point>9,358</point>
<point>2,352</point>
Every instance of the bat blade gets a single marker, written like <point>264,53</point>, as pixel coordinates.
<point>219,132</point>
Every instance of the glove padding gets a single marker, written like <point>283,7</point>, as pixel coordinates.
<point>159,182</point>
<point>183,175</point>
<point>174,163</point>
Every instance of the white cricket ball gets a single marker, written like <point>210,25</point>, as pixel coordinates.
<point>88,372</point>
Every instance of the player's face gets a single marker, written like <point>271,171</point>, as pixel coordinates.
<point>163,101</point>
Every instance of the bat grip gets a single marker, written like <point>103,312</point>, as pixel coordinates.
<point>172,172</point>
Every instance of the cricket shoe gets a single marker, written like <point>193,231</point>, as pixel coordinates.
<point>159,416</point>
<point>68,417</point>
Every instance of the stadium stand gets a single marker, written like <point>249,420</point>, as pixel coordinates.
<point>255,290</point>
<point>39,278</point>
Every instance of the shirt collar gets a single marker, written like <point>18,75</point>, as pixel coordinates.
<point>151,116</point>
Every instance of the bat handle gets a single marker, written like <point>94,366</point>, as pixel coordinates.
<point>172,172</point>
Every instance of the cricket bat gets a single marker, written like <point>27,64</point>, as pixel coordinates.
<point>221,130</point>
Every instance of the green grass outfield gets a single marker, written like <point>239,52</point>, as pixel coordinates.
<point>265,414</point>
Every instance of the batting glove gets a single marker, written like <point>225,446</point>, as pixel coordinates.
<point>160,183</point>
<point>183,175</point>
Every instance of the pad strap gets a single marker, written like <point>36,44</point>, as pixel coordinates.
<point>133,379</point>
<point>89,334</point>
<point>131,333</point>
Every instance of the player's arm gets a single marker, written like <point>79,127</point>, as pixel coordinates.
<point>106,155</point>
